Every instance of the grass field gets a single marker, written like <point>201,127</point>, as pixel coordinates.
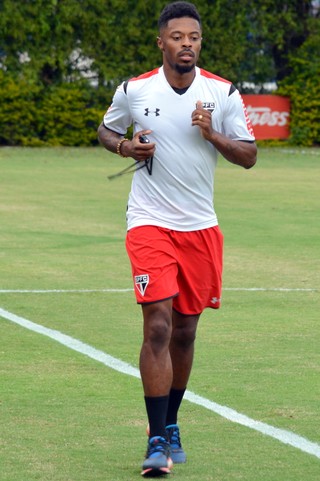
<point>67,417</point>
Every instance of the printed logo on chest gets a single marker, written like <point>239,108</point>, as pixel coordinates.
<point>152,111</point>
<point>209,106</point>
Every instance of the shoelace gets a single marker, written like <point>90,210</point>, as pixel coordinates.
<point>175,438</point>
<point>155,448</point>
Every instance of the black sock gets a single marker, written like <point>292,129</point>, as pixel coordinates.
<point>175,399</point>
<point>157,413</point>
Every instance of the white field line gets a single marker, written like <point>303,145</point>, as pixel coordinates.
<point>59,291</point>
<point>297,151</point>
<point>282,435</point>
<point>79,291</point>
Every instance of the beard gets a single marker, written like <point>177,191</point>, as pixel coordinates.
<point>181,69</point>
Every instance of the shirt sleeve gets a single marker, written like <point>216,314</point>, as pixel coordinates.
<point>118,117</point>
<point>236,122</point>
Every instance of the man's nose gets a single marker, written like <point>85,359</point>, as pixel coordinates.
<point>186,42</point>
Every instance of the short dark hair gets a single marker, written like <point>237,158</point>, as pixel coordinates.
<point>178,10</point>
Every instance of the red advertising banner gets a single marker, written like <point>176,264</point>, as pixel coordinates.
<point>269,115</point>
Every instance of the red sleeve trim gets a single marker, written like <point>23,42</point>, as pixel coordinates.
<point>207,74</point>
<point>146,75</point>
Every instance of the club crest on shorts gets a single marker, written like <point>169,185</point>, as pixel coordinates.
<point>141,283</point>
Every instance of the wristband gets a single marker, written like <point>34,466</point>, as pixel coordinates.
<point>119,147</point>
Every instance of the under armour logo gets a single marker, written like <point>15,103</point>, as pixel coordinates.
<point>141,283</point>
<point>215,300</point>
<point>155,112</point>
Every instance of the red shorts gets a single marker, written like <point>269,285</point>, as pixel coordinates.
<point>185,266</point>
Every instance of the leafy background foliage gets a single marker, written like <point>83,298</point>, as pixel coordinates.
<point>61,60</point>
<point>302,86</point>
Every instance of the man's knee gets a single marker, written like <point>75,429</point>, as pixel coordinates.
<point>184,330</point>
<point>157,323</point>
<point>184,336</point>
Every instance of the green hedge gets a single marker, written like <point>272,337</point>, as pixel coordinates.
<point>305,112</point>
<point>303,88</point>
<point>67,114</point>
<point>18,111</point>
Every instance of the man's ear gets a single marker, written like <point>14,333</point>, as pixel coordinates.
<point>160,43</point>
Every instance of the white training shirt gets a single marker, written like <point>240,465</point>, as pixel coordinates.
<point>179,193</point>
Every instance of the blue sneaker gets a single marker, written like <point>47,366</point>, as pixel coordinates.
<point>158,460</point>
<point>178,455</point>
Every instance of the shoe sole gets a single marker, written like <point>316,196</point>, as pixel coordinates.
<point>153,473</point>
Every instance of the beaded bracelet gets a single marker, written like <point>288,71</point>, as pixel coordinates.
<point>119,147</point>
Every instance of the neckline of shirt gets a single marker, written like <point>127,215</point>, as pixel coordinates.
<point>180,91</point>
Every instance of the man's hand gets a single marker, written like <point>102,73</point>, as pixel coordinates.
<point>235,151</point>
<point>202,118</point>
<point>130,148</point>
<point>138,150</point>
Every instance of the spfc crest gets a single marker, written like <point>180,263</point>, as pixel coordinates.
<point>141,283</point>
<point>209,106</point>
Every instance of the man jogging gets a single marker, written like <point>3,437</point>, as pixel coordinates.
<point>173,240</point>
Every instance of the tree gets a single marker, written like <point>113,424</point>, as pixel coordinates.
<point>278,29</point>
<point>38,38</point>
<point>124,42</point>
<point>50,43</point>
<point>303,88</point>
<point>54,40</point>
